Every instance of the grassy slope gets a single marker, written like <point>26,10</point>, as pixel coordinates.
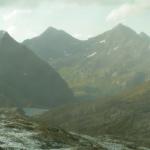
<point>126,116</point>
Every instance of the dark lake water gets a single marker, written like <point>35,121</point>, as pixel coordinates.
<point>34,111</point>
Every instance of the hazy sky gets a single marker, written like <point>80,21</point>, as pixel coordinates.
<point>81,18</point>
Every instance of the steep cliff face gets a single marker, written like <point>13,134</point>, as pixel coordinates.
<point>26,80</point>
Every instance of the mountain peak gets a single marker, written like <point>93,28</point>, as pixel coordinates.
<point>122,27</point>
<point>6,38</point>
<point>53,30</point>
<point>119,31</point>
<point>3,34</point>
<point>55,33</point>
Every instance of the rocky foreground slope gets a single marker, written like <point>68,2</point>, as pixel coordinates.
<point>19,133</point>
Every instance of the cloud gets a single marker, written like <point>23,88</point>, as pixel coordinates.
<point>33,3</point>
<point>11,29</point>
<point>102,2</point>
<point>10,15</point>
<point>126,10</point>
<point>14,13</point>
<point>121,13</point>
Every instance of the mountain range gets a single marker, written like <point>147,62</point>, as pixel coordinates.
<point>26,80</point>
<point>105,65</point>
<point>112,68</point>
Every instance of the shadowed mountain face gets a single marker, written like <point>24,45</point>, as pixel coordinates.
<point>125,116</point>
<point>26,80</point>
<point>104,65</point>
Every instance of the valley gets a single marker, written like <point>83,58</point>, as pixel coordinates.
<point>74,75</point>
<point>58,92</point>
<point>125,116</point>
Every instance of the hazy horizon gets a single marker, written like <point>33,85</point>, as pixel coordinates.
<point>75,74</point>
<point>24,19</point>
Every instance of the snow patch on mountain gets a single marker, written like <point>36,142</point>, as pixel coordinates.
<point>116,48</point>
<point>103,41</point>
<point>91,55</point>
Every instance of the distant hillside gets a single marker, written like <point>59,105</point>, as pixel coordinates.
<point>101,66</point>
<point>125,116</point>
<point>54,44</point>
<point>26,80</point>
